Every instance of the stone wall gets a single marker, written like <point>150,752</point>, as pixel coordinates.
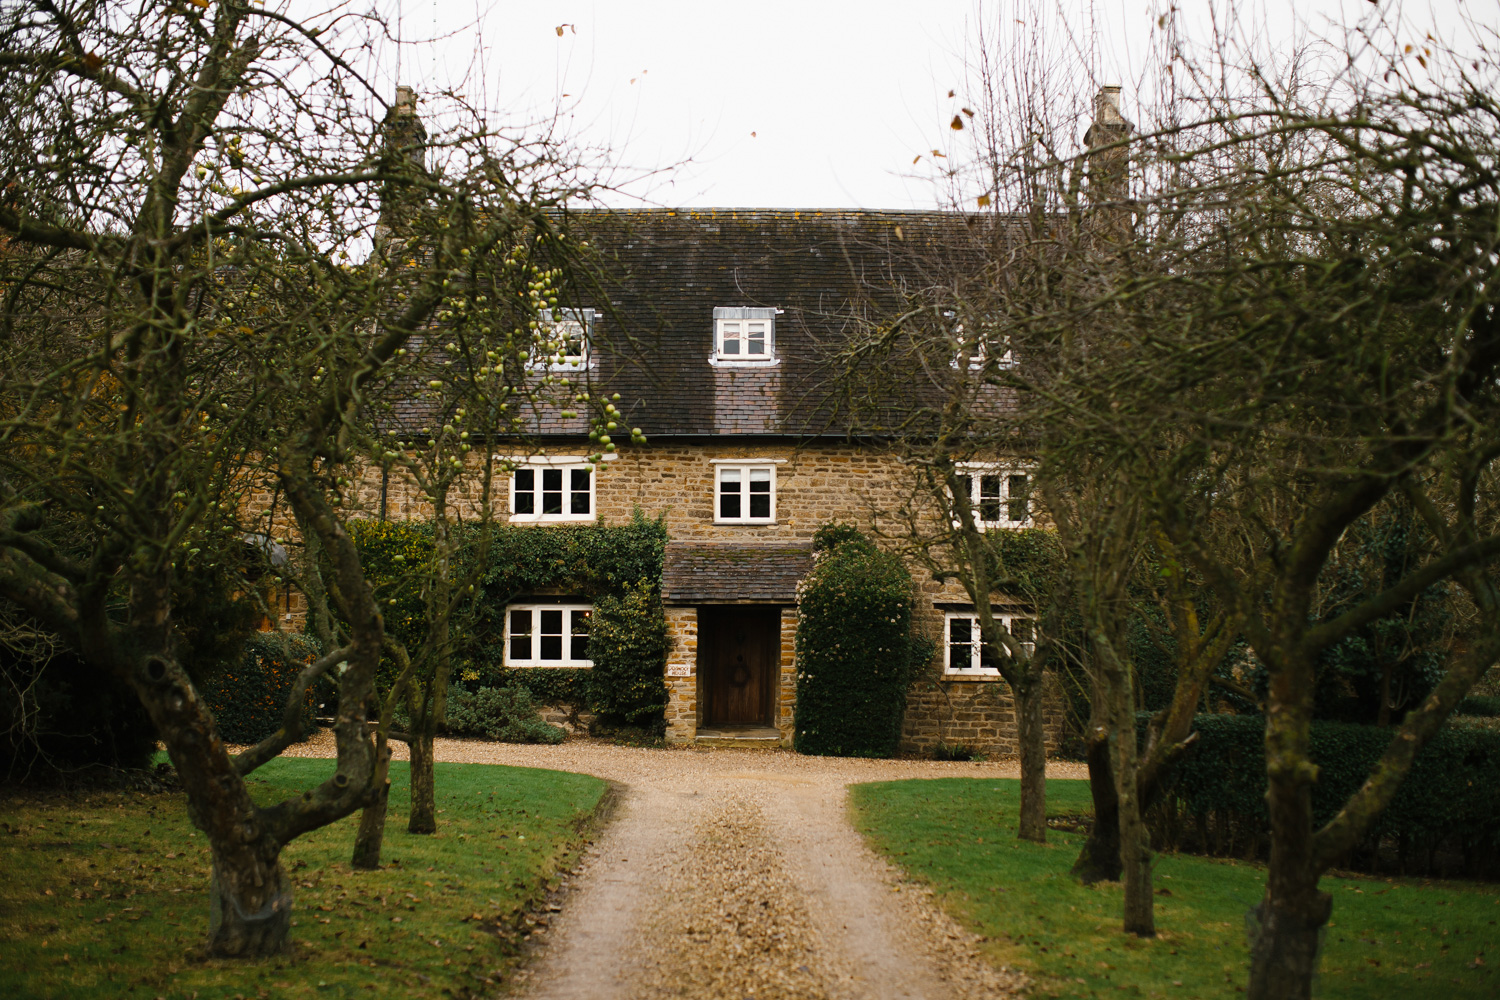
<point>979,714</point>
<point>816,483</point>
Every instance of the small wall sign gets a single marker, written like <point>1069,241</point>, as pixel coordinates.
<point>679,670</point>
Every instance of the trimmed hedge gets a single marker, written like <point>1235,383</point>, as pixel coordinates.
<point>854,648</point>
<point>1445,816</point>
<point>505,714</point>
<point>247,699</point>
<point>1476,705</point>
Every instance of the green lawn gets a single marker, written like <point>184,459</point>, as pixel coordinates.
<point>1388,938</point>
<point>105,895</point>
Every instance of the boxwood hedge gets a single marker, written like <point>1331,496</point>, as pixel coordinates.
<point>854,648</point>
<point>1444,819</point>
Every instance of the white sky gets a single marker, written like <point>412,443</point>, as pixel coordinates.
<point>778,103</point>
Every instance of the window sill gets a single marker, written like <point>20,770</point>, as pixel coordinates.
<point>566,366</point>
<point>548,665</point>
<point>551,518</point>
<point>722,362</point>
<point>758,522</point>
<point>967,675</point>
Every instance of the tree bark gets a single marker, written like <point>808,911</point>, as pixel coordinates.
<point>1135,839</point>
<point>1099,860</point>
<point>371,836</point>
<point>1288,924</point>
<point>1032,740</point>
<point>423,792</point>
<point>250,902</point>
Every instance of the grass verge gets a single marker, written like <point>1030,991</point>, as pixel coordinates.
<point>105,894</point>
<point>1388,937</point>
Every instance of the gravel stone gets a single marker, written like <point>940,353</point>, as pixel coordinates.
<point>729,874</point>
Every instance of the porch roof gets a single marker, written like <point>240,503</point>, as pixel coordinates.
<point>733,572</point>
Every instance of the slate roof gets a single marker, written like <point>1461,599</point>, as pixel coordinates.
<point>733,572</point>
<point>827,271</point>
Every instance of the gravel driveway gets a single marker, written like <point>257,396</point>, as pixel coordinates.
<point>731,874</point>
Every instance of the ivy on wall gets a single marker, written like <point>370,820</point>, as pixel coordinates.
<point>619,567</point>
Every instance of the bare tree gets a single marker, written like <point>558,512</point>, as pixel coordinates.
<point>1288,318</point>
<point>182,186</point>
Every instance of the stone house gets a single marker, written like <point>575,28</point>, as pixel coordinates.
<point>718,329</point>
<point>716,335</point>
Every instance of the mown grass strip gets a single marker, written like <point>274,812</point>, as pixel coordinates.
<point>1388,937</point>
<point>106,893</point>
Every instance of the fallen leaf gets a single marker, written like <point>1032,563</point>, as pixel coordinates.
<point>956,124</point>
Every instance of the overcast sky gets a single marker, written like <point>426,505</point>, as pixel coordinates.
<point>779,103</point>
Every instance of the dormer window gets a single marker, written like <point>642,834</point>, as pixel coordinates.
<point>565,340</point>
<point>744,337</point>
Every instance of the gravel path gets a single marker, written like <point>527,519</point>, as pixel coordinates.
<point>735,875</point>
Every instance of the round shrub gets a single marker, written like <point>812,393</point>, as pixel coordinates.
<point>247,698</point>
<point>506,714</point>
<point>854,648</point>
<point>628,644</point>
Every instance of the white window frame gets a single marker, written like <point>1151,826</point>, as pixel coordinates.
<point>566,661</point>
<point>581,318</point>
<point>976,472</point>
<point>727,318</point>
<point>538,468</point>
<point>979,355</point>
<point>743,469</point>
<point>975,667</point>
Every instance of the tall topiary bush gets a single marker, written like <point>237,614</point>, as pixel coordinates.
<point>247,698</point>
<point>854,648</point>
<point>628,644</point>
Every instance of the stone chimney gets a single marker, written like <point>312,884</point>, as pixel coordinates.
<point>1109,169</point>
<point>403,145</point>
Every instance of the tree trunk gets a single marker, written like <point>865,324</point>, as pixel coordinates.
<point>371,835</point>
<point>1135,840</point>
<point>250,902</point>
<point>1286,939</point>
<point>423,792</point>
<point>1099,861</point>
<point>1032,739</point>
<point>1287,926</point>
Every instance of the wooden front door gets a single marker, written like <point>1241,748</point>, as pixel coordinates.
<point>739,650</point>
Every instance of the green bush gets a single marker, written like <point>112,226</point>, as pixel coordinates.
<point>507,715</point>
<point>628,644</point>
<point>1480,706</point>
<point>247,699</point>
<point>1449,803</point>
<point>854,648</point>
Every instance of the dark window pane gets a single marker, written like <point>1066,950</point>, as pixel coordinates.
<point>989,498</point>
<point>552,491</point>
<point>551,634</point>
<point>729,493</point>
<point>760,493</point>
<point>525,491</point>
<point>580,487</point>
<point>731,338</point>
<point>1017,491</point>
<point>520,635</point>
<point>960,643</point>
<point>580,635</point>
